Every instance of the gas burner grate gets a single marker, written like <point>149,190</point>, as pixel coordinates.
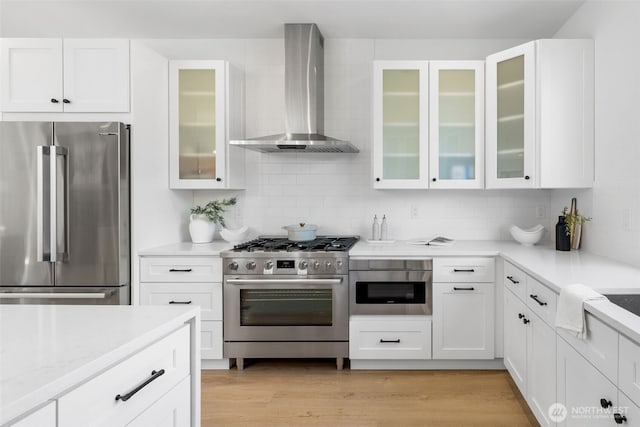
<point>282,244</point>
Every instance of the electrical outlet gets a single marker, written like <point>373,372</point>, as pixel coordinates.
<point>414,212</point>
<point>541,212</point>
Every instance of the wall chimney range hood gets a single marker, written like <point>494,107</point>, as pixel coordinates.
<point>304,99</point>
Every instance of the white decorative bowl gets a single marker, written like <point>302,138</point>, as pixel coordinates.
<point>528,237</point>
<point>234,236</point>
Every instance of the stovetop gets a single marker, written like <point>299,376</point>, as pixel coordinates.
<point>282,244</point>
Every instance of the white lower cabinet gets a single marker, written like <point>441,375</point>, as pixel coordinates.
<point>515,340</point>
<point>628,413</point>
<point>541,368</point>
<point>171,410</point>
<point>589,397</point>
<point>463,320</point>
<point>43,417</point>
<point>390,337</point>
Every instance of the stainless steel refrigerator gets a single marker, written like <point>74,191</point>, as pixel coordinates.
<point>64,213</point>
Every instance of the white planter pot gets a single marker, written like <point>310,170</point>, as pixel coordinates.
<point>201,229</point>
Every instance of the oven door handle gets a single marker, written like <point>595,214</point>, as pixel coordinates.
<point>284,281</point>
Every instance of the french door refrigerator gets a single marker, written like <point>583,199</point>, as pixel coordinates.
<point>64,213</point>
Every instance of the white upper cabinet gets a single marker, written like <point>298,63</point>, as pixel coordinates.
<point>456,124</point>
<point>400,120</point>
<point>64,75</point>
<point>204,112</point>
<point>539,115</point>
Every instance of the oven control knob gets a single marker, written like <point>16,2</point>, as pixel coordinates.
<point>251,265</point>
<point>233,265</point>
<point>328,265</point>
<point>268,265</point>
<point>339,264</point>
<point>316,265</point>
<point>304,265</point>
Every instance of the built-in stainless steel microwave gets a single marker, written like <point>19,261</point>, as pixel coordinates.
<point>390,286</point>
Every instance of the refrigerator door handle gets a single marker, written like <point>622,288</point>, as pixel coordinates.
<point>57,205</point>
<point>49,295</point>
<point>42,206</point>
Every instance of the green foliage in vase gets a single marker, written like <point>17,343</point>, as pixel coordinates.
<point>573,219</point>
<point>214,210</point>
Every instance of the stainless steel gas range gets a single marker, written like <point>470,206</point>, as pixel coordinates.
<point>287,299</point>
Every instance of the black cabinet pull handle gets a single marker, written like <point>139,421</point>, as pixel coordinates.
<point>154,375</point>
<point>605,403</point>
<point>219,179</point>
<point>180,302</point>
<point>392,341</point>
<point>525,320</point>
<point>377,179</point>
<point>535,298</point>
<point>464,270</point>
<point>527,177</point>
<point>54,101</point>
<point>433,179</point>
<point>66,101</point>
<point>514,281</point>
<point>520,315</point>
<point>179,270</point>
<point>464,289</point>
<point>619,419</point>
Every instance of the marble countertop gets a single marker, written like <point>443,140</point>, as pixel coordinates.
<point>47,349</point>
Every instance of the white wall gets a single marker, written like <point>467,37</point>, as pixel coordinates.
<point>335,191</point>
<point>614,202</point>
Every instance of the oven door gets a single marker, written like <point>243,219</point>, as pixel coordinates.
<point>286,308</point>
<point>390,292</point>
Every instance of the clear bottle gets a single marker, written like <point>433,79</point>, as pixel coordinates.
<point>384,231</point>
<point>375,229</point>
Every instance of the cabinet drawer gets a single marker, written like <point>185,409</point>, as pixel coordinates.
<point>211,339</point>
<point>180,269</point>
<point>390,337</point>
<point>94,402</point>
<point>208,296</point>
<point>171,410</point>
<point>600,348</point>
<point>463,270</point>
<point>629,369</point>
<point>516,280</point>
<point>43,417</point>
<point>542,301</point>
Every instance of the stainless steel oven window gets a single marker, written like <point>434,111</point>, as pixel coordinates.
<point>286,307</point>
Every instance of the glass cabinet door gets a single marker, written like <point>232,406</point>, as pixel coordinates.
<point>400,124</point>
<point>456,137</point>
<point>197,124</point>
<point>510,117</point>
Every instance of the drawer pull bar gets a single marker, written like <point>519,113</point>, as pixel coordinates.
<point>514,281</point>
<point>464,289</point>
<point>605,403</point>
<point>464,270</point>
<point>154,375</point>
<point>179,270</point>
<point>180,302</point>
<point>390,341</point>
<point>619,419</point>
<point>535,298</point>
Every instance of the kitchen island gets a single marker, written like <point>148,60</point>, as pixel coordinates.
<point>99,365</point>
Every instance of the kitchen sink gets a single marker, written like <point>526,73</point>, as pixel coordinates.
<point>630,302</point>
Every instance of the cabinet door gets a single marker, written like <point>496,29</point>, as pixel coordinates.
<point>31,75</point>
<point>515,340</point>
<point>541,368</point>
<point>96,75</point>
<point>197,124</point>
<point>581,387</point>
<point>456,124</point>
<point>400,120</point>
<point>171,410</point>
<point>463,320</point>
<point>511,121</point>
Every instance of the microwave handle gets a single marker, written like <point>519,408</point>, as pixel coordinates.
<point>284,281</point>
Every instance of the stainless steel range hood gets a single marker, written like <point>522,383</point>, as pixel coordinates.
<point>304,98</point>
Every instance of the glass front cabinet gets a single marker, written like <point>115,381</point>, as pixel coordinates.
<point>428,124</point>
<point>539,115</point>
<point>202,118</point>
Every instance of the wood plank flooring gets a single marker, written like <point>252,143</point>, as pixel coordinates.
<point>313,393</point>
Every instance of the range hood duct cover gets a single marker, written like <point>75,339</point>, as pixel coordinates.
<point>304,98</point>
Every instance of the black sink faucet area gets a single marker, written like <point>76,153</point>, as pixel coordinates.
<point>630,302</point>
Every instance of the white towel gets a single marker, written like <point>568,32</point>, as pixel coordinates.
<point>570,315</point>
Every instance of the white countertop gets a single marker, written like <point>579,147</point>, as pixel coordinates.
<point>47,349</point>
<point>189,249</point>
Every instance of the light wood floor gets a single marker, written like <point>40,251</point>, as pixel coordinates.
<point>313,393</point>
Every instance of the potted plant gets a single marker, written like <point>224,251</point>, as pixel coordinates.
<point>573,224</point>
<point>203,219</point>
